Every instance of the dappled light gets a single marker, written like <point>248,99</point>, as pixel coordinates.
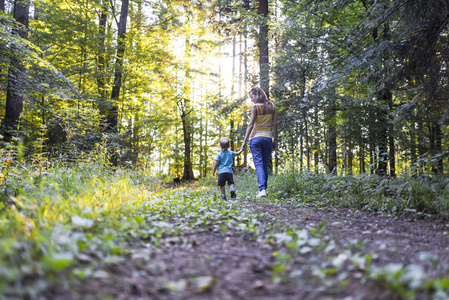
<point>325,121</point>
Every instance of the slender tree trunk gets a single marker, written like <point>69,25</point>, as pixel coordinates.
<point>306,135</point>
<point>16,73</point>
<point>112,119</point>
<point>263,46</point>
<point>382,143</point>
<point>240,65</point>
<point>392,148</point>
<point>332,139</point>
<point>438,147</point>
<point>385,129</point>
<point>101,60</point>
<point>245,82</point>
<point>187,132</point>
<point>231,131</point>
<point>301,152</point>
<point>316,141</point>
<point>372,137</point>
<point>362,157</point>
<point>421,147</point>
<point>234,41</point>
<point>187,127</point>
<point>413,158</point>
<point>350,157</point>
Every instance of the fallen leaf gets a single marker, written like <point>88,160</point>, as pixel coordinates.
<point>259,284</point>
<point>204,283</point>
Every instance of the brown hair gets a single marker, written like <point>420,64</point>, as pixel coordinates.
<point>261,97</point>
<point>224,144</point>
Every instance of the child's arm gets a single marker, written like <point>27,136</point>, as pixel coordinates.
<point>239,152</point>
<point>215,167</point>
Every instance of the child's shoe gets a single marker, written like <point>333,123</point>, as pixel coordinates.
<point>223,197</point>
<point>233,195</point>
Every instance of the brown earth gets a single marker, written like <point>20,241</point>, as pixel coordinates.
<point>213,265</point>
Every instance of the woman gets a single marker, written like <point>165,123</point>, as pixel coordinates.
<point>261,140</point>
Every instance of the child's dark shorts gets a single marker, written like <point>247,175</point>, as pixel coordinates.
<point>223,177</point>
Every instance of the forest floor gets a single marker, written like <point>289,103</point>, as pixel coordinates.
<point>232,264</point>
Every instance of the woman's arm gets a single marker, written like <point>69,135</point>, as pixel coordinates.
<point>250,125</point>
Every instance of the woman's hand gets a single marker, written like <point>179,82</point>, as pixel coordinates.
<point>241,150</point>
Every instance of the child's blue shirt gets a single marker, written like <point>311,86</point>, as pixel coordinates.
<point>226,159</point>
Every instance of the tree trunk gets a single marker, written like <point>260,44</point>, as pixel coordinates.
<point>263,46</point>
<point>245,83</point>
<point>413,159</point>
<point>101,60</point>
<point>372,137</point>
<point>362,157</point>
<point>186,130</point>
<point>231,131</point>
<point>112,118</point>
<point>185,110</point>
<point>332,140</point>
<point>350,158</point>
<point>421,147</point>
<point>306,135</point>
<point>316,141</point>
<point>438,147</point>
<point>301,152</point>
<point>16,74</point>
<point>234,42</point>
<point>382,143</point>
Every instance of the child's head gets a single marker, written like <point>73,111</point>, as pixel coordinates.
<point>224,144</point>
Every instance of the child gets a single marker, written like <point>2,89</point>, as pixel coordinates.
<point>223,162</point>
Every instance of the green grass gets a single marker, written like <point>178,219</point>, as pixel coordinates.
<point>419,195</point>
<point>60,223</point>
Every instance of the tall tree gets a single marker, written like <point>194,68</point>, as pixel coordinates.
<point>112,118</point>
<point>101,56</point>
<point>16,74</point>
<point>263,46</point>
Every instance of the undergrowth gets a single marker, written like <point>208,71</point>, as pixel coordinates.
<point>60,223</point>
<point>423,196</point>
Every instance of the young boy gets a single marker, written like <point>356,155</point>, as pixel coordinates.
<point>223,162</point>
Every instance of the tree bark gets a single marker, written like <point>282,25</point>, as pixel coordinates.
<point>263,46</point>
<point>362,157</point>
<point>112,118</point>
<point>16,73</point>
<point>332,139</point>
<point>101,60</point>
<point>316,142</point>
<point>350,158</point>
<point>438,147</point>
<point>187,132</point>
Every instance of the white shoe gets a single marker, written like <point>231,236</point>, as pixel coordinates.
<point>262,193</point>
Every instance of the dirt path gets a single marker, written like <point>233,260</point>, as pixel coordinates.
<point>213,265</point>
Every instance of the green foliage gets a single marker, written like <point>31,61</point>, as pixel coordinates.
<point>64,224</point>
<point>421,195</point>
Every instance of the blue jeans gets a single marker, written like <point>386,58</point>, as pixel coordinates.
<point>261,148</point>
